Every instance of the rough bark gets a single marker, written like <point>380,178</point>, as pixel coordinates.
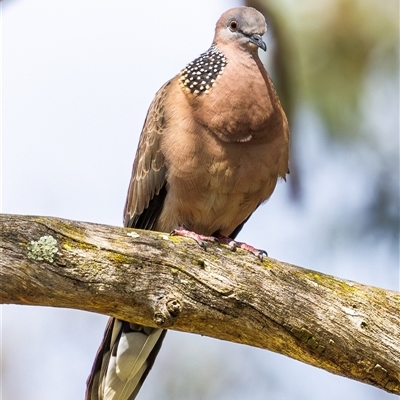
<point>155,279</point>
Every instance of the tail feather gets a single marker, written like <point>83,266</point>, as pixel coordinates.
<point>123,360</point>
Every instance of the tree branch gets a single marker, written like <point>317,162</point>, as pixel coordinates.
<point>155,279</point>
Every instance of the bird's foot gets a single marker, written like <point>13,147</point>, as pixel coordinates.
<point>233,244</point>
<point>200,239</point>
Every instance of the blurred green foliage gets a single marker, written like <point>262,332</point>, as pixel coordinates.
<point>340,59</point>
<point>337,55</point>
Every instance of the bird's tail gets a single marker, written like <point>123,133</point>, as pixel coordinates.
<point>123,360</point>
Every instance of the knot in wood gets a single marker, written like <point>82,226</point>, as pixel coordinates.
<point>159,318</point>
<point>174,307</point>
<point>167,310</point>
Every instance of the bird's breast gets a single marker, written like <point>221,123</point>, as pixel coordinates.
<point>223,153</point>
<point>240,106</point>
<point>213,187</point>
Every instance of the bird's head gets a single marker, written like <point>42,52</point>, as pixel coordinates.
<point>243,27</point>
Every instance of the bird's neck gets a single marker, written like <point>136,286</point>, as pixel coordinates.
<point>231,94</point>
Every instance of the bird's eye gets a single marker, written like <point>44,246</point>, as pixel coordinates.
<point>233,26</point>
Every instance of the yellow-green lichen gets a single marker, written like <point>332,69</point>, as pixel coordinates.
<point>341,285</point>
<point>303,334</point>
<point>43,249</point>
<point>172,238</point>
<point>121,259</point>
<point>307,337</point>
<point>67,246</point>
<point>379,372</point>
<point>267,263</point>
<point>313,342</point>
<point>199,262</point>
<point>393,386</point>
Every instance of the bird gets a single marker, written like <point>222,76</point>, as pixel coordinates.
<point>214,143</point>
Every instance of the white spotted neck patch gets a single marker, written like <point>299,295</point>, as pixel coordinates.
<point>199,76</point>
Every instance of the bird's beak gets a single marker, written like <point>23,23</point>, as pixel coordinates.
<point>257,40</point>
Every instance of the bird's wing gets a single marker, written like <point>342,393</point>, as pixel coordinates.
<point>147,190</point>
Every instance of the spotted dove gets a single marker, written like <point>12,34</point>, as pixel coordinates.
<point>214,143</point>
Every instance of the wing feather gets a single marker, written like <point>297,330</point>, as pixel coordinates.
<point>147,191</point>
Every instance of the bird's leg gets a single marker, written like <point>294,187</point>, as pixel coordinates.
<point>233,244</point>
<point>200,239</point>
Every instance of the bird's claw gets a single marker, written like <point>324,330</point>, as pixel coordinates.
<point>202,244</point>
<point>233,245</point>
<point>260,254</point>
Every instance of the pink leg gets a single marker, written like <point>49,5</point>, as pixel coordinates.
<point>200,239</point>
<point>233,244</point>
